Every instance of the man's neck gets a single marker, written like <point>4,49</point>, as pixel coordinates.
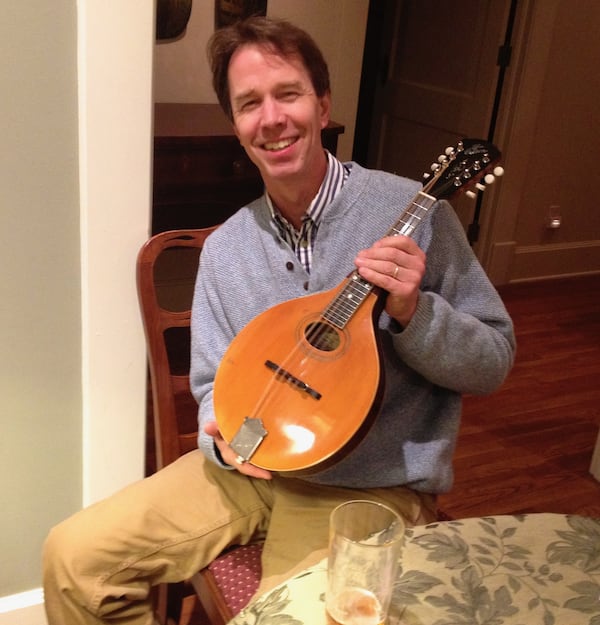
<point>293,197</point>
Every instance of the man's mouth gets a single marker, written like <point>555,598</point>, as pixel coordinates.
<point>273,146</point>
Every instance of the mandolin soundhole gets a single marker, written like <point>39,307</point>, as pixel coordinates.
<point>322,336</point>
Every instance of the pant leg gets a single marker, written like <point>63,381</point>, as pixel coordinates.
<point>100,564</point>
<point>298,533</point>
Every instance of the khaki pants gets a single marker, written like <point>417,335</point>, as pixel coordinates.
<point>100,564</point>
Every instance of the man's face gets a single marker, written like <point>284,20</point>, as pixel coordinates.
<point>277,115</point>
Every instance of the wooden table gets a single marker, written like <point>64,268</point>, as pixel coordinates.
<point>499,570</point>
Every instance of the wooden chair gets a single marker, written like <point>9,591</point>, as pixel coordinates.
<point>166,270</point>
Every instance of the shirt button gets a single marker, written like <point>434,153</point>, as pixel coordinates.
<point>289,266</point>
<point>306,286</point>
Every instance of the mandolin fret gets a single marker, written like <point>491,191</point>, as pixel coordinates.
<point>413,215</point>
<point>343,307</point>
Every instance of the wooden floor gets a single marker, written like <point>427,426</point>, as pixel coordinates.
<point>528,447</point>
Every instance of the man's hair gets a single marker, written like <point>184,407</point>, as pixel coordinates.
<point>277,36</point>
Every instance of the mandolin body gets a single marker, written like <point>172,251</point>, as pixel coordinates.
<point>314,387</point>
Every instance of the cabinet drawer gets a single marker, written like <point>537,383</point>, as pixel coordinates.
<point>214,159</point>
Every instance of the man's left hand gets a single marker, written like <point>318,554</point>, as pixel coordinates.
<point>396,264</point>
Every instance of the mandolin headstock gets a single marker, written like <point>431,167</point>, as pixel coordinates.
<point>469,167</point>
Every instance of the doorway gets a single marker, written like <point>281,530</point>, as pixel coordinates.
<point>432,74</point>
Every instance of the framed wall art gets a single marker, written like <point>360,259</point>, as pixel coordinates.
<point>230,11</point>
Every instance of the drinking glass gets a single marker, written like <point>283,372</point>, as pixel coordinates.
<point>365,544</point>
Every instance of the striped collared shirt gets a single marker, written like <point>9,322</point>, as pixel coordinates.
<point>302,241</point>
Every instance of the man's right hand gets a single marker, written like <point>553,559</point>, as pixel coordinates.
<point>230,457</point>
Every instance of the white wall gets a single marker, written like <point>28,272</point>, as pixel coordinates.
<point>115,104</point>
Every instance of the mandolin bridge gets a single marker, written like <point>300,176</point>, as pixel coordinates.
<point>293,379</point>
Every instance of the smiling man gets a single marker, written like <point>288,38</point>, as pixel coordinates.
<point>278,118</point>
<point>444,332</point>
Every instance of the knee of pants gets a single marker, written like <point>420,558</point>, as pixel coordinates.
<point>64,556</point>
<point>57,550</point>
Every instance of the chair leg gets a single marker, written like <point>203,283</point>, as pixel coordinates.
<point>211,598</point>
<point>160,604</point>
<point>178,604</point>
<point>192,612</point>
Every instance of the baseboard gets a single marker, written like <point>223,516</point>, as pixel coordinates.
<point>24,608</point>
<point>554,260</point>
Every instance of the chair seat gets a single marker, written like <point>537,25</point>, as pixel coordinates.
<point>237,574</point>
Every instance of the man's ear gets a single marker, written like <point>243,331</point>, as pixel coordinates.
<point>325,103</point>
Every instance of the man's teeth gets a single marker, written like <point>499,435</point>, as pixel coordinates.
<point>279,145</point>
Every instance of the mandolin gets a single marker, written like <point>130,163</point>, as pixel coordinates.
<point>300,385</point>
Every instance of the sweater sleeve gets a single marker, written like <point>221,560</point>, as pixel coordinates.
<point>210,334</point>
<point>461,336</point>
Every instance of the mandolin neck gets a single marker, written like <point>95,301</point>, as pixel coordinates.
<point>357,289</point>
<point>413,215</point>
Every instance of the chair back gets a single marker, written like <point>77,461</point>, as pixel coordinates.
<point>167,265</point>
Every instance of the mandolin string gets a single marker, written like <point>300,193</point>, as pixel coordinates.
<point>344,304</point>
<point>265,395</point>
<point>353,294</point>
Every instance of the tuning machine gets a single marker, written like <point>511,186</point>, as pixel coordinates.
<point>488,179</point>
<point>442,161</point>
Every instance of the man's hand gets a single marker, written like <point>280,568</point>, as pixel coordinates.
<point>396,264</point>
<point>229,456</point>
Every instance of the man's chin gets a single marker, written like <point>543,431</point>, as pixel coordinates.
<point>279,171</point>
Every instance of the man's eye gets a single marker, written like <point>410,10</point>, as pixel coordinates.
<point>289,96</point>
<point>248,105</point>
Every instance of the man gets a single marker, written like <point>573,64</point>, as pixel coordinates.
<point>444,332</point>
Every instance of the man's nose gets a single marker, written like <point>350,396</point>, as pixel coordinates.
<point>272,112</point>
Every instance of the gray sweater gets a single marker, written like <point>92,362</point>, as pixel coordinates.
<point>460,341</point>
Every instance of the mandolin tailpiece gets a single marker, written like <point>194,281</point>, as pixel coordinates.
<point>247,439</point>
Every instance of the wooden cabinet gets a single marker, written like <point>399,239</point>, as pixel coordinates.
<point>201,173</point>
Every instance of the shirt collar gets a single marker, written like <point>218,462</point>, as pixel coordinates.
<point>337,173</point>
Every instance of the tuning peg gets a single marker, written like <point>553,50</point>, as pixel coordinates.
<point>489,178</point>
<point>471,194</point>
<point>498,171</point>
<point>449,151</point>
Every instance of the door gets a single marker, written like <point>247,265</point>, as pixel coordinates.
<point>439,84</point>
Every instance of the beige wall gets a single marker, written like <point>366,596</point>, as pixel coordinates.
<point>40,318</point>
<point>75,205</point>
<point>338,27</point>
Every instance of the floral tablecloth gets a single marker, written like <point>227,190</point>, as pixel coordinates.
<point>500,570</point>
